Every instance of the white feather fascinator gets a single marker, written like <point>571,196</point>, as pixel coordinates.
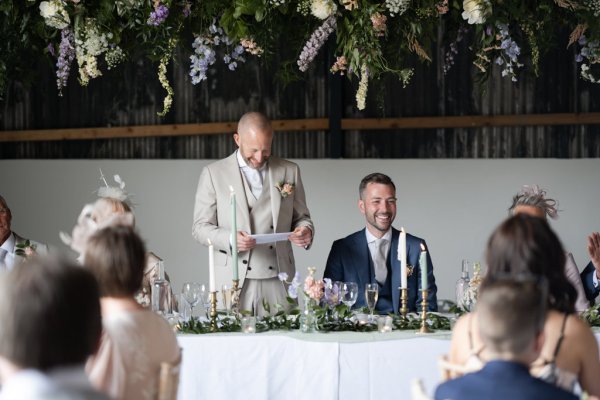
<point>115,192</point>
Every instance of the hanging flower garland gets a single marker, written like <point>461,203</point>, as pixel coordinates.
<point>372,37</point>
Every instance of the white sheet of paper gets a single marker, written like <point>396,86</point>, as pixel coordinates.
<point>262,238</point>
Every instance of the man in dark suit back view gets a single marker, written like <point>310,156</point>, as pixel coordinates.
<point>511,317</point>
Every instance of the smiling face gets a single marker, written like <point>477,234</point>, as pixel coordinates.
<point>254,138</point>
<point>5,220</point>
<point>378,204</point>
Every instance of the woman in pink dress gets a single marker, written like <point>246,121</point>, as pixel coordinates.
<point>135,340</point>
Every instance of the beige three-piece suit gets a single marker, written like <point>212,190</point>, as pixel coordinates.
<point>269,213</point>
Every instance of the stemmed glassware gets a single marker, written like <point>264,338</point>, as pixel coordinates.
<point>349,293</point>
<point>191,293</point>
<point>205,299</point>
<point>371,296</point>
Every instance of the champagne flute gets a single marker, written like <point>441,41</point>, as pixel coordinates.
<point>227,292</point>
<point>191,294</point>
<point>371,296</point>
<point>205,299</point>
<point>349,293</point>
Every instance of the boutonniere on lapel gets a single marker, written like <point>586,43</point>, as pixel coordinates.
<point>26,249</point>
<point>285,188</point>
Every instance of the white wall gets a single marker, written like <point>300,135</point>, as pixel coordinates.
<point>453,204</point>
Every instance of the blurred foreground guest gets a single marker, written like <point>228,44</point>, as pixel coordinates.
<point>49,325</point>
<point>589,276</point>
<point>532,200</point>
<point>13,248</point>
<point>135,340</point>
<point>511,317</point>
<point>524,245</point>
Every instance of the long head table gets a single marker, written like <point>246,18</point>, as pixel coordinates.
<point>295,365</point>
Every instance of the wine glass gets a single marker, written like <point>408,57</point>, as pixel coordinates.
<point>349,293</point>
<point>191,293</point>
<point>371,295</point>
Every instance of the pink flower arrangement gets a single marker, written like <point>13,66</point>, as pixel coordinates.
<point>379,23</point>
<point>340,65</point>
<point>314,288</point>
<point>285,188</point>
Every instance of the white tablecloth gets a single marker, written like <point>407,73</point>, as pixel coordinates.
<point>292,365</point>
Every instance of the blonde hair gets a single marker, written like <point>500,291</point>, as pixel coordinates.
<point>107,207</point>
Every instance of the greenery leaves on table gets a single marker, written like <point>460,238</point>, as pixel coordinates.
<point>372,37</point>
<point>337,319</point>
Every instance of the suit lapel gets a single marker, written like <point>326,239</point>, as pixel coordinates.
<point>276,175</point>
<point>364,274</point>
<point>242,209</point>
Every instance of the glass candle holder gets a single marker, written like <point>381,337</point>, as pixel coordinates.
<point>248,324</point>
<point>384,324</point>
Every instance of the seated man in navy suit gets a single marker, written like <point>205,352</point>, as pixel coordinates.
<point>370,255</point>
<point>512,315</point>
<point>589,276</point>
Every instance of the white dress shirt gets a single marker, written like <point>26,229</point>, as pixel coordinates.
<point>254,177</point>
<point>372,241</point>
<point>9,258</point>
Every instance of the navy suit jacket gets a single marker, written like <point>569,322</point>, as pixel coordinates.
<point>500,380</point>
<point>350,261</point>
<point>587,276</point>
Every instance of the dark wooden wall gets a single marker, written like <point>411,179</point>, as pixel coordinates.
<point>132,95</point>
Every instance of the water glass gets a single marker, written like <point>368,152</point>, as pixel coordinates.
<point>248,324</point>
<point>349,293</point>
<point>384,324</point>
<point>191,293</point>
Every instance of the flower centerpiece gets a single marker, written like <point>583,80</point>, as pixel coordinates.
<point>470,295</point>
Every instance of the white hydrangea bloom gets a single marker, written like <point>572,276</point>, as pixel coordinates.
<point>55,14</point>
<point>322,9</point>
<point>476,11</point>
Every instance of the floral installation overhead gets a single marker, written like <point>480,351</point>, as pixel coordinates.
<point>371,37</point>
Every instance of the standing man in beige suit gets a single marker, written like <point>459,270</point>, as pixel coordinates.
<point>270,199</point>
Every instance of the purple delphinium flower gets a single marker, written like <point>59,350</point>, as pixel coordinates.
<point>316,41</point>
<point>453,51</point>
<point>159,15</point>
<point>187,9</point>
<point>50,48</point>
<point>203,58</point>
<point>293,289</point>
<point>508,57</point>
<point>332,293</point>
<point>65,58</point>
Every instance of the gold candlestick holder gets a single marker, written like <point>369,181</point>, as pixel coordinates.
<point>213,311</point>
<point>403,301</point>
<point>424,327</point>
<point>235,297</point>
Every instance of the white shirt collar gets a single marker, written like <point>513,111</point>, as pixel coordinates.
<point>371,238</point>
<point>9,244</point>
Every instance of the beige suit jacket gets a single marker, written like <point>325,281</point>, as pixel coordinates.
<point>213,215</point>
